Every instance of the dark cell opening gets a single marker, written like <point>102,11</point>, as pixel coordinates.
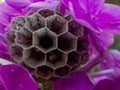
<point>16,51</point>
<point>46,12</point>
<point>67,42</point>
<point>75,28</point>
<point>63,71</point>
<point>74,58</point>
<point>11,36</point>
<point>34,23</point>
<point>36,54</point>
<point>57,25</point>
<point>54,56</point>
<point>82,44</point>
<point>45,72</point>
<point>46,42</point>
<point>24,38</point>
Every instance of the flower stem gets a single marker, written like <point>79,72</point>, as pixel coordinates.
<point>103,73</point>
<point>92,63</point>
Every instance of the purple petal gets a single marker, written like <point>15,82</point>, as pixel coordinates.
<point>107,84</point>
<point>18,4</point>
<point>8,10</point>
<point>4,55</point>
<point>109,14</point>
<point>4,19</point>
<point>37,0</point>
<point>80,13</point>
<point>109,18</point>
<point>106,39</point>
<point>113,28</point>
<point>38,5</point>
<point>116,56</point>
<point>15,77</point>
<point>92,6</point>
<point>76,81</point>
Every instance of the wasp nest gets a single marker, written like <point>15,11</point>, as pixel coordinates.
<point>49,44</point>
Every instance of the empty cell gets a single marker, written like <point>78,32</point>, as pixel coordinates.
<point>82,43</point>
<point>24,38</point>
<point>63,71</point>
<point>56,59</point>
<point>45,72</point>
<point>34,57</point>
<point>10,35</point>
<point>46,13</point>
<point>45,39</point>
<point>57,24</point>
<point>16,53</point>
<point>34,22</point>
<point>18,23</point>
<point>75,28</point>
<point>67,42</point>
<point>74,58</point>
<point>85,57</point>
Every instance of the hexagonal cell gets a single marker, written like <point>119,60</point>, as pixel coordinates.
<point>75,68</point>
<point>57,24</point>
<point>10,35</point>
<point>67,42</point>
<point>18,23</point>
<point>82,43</point>
<point>31,70</point>
<point>24,38</point>
<point>74,58</point>
<point>34,57</point>
<point>45,39</point>
<point>85,57</point>
<point>16,53</point>
<point>45,72</point>
<point>75,28</point>
<point>35,22</point>
<point>56,59</point>
<point>63,71</point>
<point>46,12</point>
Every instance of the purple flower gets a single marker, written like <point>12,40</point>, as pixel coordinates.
<point>81,81</point>
<point>101,20</point>
<point>15,77</point>
<point>75,81</point>
<point>94,14</point>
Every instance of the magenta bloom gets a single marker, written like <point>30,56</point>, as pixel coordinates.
<point>15,77</point>
<point>101,20</point>
<point>94,14</point>
<point>81,81</point>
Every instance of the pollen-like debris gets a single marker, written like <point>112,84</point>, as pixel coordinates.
<point>50,45</point>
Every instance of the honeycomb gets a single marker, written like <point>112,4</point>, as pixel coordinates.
<point>49,44</point>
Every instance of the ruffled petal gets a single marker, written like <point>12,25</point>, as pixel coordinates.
<point>113,28</point>
<point>18,4</point>
<point>104,84</point>
<point>8,10</point>
<point>37,0</point>
<point>80,13</point>
<point>38,5</point>
<point>4,19</point>
<point>107,84</point>
<point>106,39</point>
<point>109,14</point>
<point>4,55</point>
<point>76,81</point>
<point>15,77</point>
<point>92,6</point>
